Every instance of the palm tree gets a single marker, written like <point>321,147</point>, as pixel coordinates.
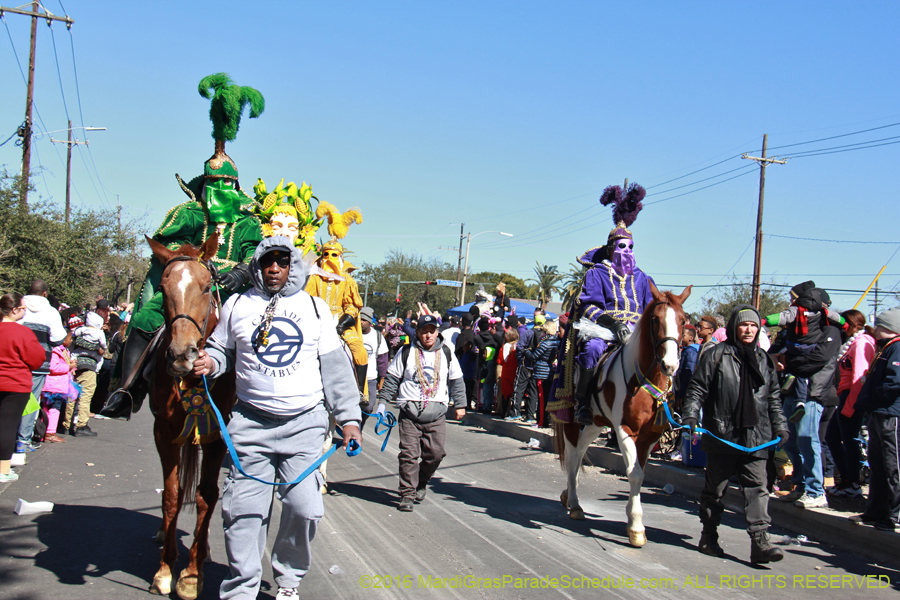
<point>572,284</point>
<point>547,280</point>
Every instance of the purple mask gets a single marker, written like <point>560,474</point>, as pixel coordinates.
<point>622,257</point>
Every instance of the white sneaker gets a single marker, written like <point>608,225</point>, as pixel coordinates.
<point>807,501</point>
<point>287,594</point>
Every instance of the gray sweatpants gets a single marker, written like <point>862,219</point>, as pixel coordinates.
<point>270,446</point>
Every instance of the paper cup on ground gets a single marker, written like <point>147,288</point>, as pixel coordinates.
<point>32,508</point>
<point>18,459</point>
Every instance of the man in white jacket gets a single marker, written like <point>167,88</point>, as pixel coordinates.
<point>284,348</point>
<point>44,320</point>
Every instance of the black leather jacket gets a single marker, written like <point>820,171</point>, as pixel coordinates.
<point>714,388</point>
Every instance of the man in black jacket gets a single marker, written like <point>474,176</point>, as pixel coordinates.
<point>814,373</point>
<point>880,396</point>
<point>736,386</point>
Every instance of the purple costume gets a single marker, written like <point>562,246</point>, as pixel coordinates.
<point>612,286</point>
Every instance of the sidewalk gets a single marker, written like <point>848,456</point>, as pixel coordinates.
<point>828,525</point>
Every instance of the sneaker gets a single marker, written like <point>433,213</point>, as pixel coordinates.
<point>798,414</point>
<point>286,594</point>
<point>420,494</point>
<point>511,418</point>
<point>9,477</point>
<point>851,491</point>
<point>788,384</point>
<point>83,431</point>
<point>406,504</point>
<point>862,519</point>
<point>793,496</point>
<point>807,501</point>
<point>24,447</point>
<point>887,525</point>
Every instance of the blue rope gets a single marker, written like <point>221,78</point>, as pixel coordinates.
<point>386,419</point>
<point>353,448</point>
<point>726,442</point>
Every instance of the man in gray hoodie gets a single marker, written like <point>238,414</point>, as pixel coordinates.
<point>290,367</point>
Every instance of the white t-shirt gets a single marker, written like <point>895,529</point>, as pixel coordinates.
<point>449,336</point>
<point>283,377</point>
<point>410,389</point>
<point>375,346</point>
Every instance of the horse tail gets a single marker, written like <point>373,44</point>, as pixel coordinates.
<point>559,441</point>
<point>189,473</point>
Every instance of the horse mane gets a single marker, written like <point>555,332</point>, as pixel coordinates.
<point>187,249</point>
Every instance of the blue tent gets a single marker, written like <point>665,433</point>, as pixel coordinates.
<point>522,309</point>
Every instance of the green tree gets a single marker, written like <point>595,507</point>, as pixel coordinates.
<point>571,284</point>
<point>406,267</point>
<point>37,244</point>
<point>771,299</point>
<point>515,287</point>
<point>547,278</point>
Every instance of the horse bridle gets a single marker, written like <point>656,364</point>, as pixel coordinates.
<point>656,358</point>
<point>213,273</point>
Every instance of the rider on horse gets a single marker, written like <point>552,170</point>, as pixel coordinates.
<point>215,203</point>
<point>613,295</point>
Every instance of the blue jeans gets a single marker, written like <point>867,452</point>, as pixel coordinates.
<point>804,448</point>
<point>26,425</point>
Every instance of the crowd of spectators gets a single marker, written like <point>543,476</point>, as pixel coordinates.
<point>56,365</point>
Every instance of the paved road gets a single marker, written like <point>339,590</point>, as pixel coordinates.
<point>492,512</point>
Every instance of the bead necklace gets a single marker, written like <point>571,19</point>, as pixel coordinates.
<point>428,390</point>
<point>262,339</point>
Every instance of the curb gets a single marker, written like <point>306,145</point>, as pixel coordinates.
<point>821,525</point>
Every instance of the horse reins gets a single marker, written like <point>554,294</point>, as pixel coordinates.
<point>213,274</point>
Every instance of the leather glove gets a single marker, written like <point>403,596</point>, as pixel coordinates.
<point>345,322</point>
<point>692,423</point>
<point>785,436</point>
<point>236,278</point>
<point>619,329</point>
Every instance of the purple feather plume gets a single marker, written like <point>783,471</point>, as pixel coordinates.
<point>626,208</point>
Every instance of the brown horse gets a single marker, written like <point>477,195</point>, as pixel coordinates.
<point>191,313</point>
<point>621,400</point>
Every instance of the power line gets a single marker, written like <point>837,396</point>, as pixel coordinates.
<point>834,137</point>
<point>62,90</point>
<point>750,172</point>
<point>702,180</point>
<point>790,237</point>
<point>849,149</point>
<point>694,172</point>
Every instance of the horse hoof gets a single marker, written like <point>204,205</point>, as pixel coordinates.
<point>160,536</point>
<point>189,587</point>
<point>323,489</point>
<point>637,538</point>
<point>577,514</point>
<point>162,585</point>
<point>564,498</point>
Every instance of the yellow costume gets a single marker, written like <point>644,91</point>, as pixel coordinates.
<point>340,293</point>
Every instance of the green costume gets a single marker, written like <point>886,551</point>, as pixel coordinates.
<point>215,203</point>
<point>190,223</point>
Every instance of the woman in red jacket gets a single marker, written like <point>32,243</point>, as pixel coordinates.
<point>20,354</point>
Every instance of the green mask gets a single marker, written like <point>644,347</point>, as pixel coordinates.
<point>222,202</point>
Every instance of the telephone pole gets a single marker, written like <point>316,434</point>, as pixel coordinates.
<point>462,236</point>
<point>757,259</point>
<point>69,143</point>
<point>25,131</point>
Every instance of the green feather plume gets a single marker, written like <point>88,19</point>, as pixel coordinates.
<point>227,104</point>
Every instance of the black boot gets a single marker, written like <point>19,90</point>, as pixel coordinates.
<point>129,398</point>
<point>361,371</point>
<point>583,414</point>
<point>709,543</point>
<point>762,550</point>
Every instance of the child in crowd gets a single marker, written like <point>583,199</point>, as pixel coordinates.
<point>89,347</point>
<point>58,388</point>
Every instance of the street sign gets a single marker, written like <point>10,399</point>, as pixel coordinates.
<point>449,283</point>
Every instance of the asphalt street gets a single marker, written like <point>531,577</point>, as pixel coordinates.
<point>492,521</point>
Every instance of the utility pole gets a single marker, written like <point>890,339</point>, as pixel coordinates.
<point>462,299</point>
<point>366,295</point>
<point>462,235</point>
<point>69,143</point>
<point>25,131</point>
<point>757,259</point>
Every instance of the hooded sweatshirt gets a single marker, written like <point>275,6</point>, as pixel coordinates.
<point>47,325</point>
<point>302,363</point>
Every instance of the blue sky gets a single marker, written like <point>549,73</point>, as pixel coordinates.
<point>507,116</point>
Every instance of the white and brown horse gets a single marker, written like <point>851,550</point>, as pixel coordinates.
<point>621,400</point>
<point>191,316</point>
